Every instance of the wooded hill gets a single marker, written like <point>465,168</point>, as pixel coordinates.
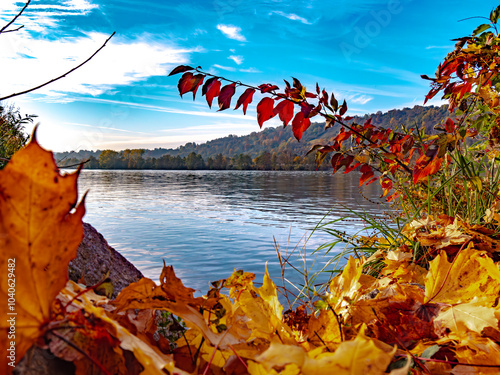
<point>279,141</point>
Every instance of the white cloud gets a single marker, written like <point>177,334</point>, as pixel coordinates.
<point>237,59</point>
<point>358,99</point>
<point>232,32</point>
<point>43,15</point>
<point>228,68</point>
<point>250,70</point>
<point>440,47</point>
<point>156,108</point>
<point>121,62</point>
<point>291,16</point>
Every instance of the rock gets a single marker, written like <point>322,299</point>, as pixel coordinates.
<point>95,257</point>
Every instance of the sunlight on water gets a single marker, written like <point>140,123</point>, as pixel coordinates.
<point>208,223</point>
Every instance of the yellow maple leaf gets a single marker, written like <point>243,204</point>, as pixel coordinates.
<point>465,317</point>
<point>40,230</point>
<point>358,356</point>
<point>472,272</point>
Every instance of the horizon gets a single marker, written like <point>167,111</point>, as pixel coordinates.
<point>369,52</point>
<point>244,135</point>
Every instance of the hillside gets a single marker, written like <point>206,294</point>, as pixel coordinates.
<point>278,140</point>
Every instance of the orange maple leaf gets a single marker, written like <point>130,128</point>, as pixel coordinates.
<point>40,230</point>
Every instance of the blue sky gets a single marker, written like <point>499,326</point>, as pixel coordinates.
<point>369,52</point>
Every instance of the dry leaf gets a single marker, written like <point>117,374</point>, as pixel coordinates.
<point>40,230</point>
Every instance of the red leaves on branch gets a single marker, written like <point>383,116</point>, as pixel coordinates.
<point>285,111</point>
<point>211,89</point>
<point>300,125</point>
<point>225,95</point>
<point>265,110</point>
<point>245,99</point>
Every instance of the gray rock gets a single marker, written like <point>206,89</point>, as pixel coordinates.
<point>95,257</point>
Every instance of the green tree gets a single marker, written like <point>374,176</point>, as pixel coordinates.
<point>12,135</point>
<point>194,161</point>
<point>110,159</point>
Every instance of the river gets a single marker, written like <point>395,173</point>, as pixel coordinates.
<point>208,223</point>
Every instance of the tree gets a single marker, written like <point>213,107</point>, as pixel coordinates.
<point>110,159</point>
<point>194,161</point>
<point>12,136</point>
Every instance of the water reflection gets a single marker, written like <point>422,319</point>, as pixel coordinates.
<point>208,223</point>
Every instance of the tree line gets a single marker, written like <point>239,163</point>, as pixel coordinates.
<point>134,159</point>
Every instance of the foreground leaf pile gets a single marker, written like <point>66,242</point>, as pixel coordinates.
<point>441,318</point>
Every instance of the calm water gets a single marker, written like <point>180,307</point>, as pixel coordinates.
<point>208,223</point>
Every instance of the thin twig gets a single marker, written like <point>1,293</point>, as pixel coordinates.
<point>13,30</point>
<point>73,165</point>
<point>338,322</point>
<point>2,30</point>
<point>61,76</point>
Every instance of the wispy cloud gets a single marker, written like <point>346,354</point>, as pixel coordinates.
<point>448,47</point>
<point>40,16</point>
<point>105,128</point>
<point>237,59</point>
<point>358,98</point>
<point>232,32</point>
<point>121,62</point>
<point>155,108</point>
<point>228,68</point>
<point>291,16</point>
<point>250,70</point>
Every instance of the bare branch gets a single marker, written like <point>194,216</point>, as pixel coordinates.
<point>2,30</point>
<point>61,76</point>
<point>11,31</point>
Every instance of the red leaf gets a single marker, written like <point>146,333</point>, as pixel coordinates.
<point>306,109</point>
<point>211,89</point>
<point>188,83</point>
<point>180,69</point>
<point>185,83</point>
<point>386,186</point>
<point>297,84</point>
<point>285,111</point>
<point>245,99</point>
<point>367,173</point>
<point>311,95</point>
<point>300,125</point>
<point>335,161</point>
<point>427,164</point>
<point>343,108</point>
<point>197,81</point>
<point>225,95</point>
<point>266,87</point>
<point>342,136</point>
<point>352,167</point>
<point>265,110</point>
<point>449,125</point>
